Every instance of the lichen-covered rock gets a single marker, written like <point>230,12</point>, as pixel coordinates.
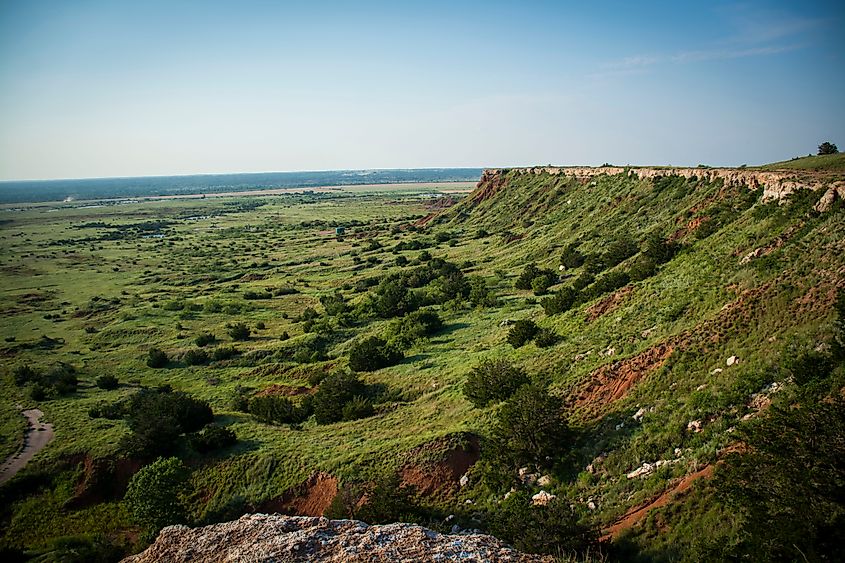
<point>264,538</point>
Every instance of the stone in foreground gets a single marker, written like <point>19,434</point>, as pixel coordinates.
<point>265,538</point>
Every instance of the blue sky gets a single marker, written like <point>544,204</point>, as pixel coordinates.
<point>92,88</point>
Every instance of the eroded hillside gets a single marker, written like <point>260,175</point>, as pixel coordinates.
<point>652,314</point>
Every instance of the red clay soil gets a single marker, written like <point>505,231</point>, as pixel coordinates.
<point>690,227</point>
<point>638,513</point>
<point>609,303</point>
<point>440,476</point>
<point>103,479</point>
<point>312,498</point>
<point>612,382</point>
<point>490,183</point>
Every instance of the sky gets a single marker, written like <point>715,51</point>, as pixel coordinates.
<point>99,89</point>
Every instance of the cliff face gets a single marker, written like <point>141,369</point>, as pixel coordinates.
<point>262,537</point>
<point>776,184</point>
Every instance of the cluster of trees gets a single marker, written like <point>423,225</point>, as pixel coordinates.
<point>536,279</point>
<point>587,286</point>
<point>340,396</point>
<point>59,380</point>
<point>158,418</point>
<point>524,331</point>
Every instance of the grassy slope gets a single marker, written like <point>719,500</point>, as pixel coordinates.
<point>792,286</point>
<point>821,163</point>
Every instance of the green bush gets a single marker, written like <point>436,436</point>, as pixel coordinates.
<point>522,332</point>
<point>224,353</point>
<point>529,274</point>
<point>275,409</point>
<point>545,337</point>
<point>238,331</point>
<point>570,258</point>
<point>107,382</point>
<point>333,394</point>
<point>204,339</point>
<point>23,375</point>
<point>786,487</point>
<point>155,495</point>
<point>493,381</point>
<point>157,358</point>
<point>479,294</point>
<point>559,302</point>
<point>414,326</point>
<point>212,438</point>
<point>373,353</point>
<point>551,529</point>
<point>195,357</point>
<point>531,428</point>
<point>541,284</point>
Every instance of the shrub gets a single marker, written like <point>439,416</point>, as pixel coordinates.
<point>531,428</point>
<point>107,382</point>
<point>414,326</point>
<point>333,394</point>
<point>522,332</point>
<point>334,304</point>
<point>828,148</point>
<point>274,409</point>
<point>212,438</point>
<point>224,353</point>
<point>793,466</point>
<point>545,337</point>
<point>541,284</point>
<point>529,274</point>
<point>373,353</point>
<point>238,331</point>
<point>551,529</point>
<point>196,357</point>
<point>570,257</point>
<point>559,302</point>
<point>658,249</point>
<point>204,338</point>
<point>493,381</point>
<point>157,358</point>
<point>155,495</point>
<point>393,299</point>
<point>23,375</point>
<point>618,251</point>
<point>479,294</point>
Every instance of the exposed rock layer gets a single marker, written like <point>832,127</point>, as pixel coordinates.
<point>776,184</point>
<point>265,538</point>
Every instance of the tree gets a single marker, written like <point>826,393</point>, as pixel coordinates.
<point>493,381</point>
<point>788,486</point>
<point>552,528</point>
<point>238,331</point>
<point>333,394</point>
<point>531,428</point>
<point>522,332</point>
<point>157,358</point>
<point>828,148</point>
<point>155,495</point>
<point>107,382</point>
<point>373,353</point>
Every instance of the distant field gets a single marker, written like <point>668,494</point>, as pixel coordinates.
<point>265,182</point>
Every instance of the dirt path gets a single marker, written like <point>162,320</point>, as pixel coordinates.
<point>38,434</point>
<point>638,513</point>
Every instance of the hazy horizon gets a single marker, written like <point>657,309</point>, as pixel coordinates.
<point>102,90</point>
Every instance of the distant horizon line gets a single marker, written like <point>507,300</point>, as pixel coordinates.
<point>198,174</point>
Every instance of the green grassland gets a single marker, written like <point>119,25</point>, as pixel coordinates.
<point>98,286</point>
<point>820,163</point>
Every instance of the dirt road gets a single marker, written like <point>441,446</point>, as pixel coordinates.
<point>38,434</point>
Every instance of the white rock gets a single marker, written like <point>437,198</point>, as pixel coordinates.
<point>717,371</point>
<point>638,416</point>
<point>542,498</point>
<point>732,360</point>
<point>464,481</point>
<point>694,425</point>
<point>544,481</point>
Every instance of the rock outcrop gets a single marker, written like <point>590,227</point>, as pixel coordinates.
<point>264,538</point>
<point>776,184</point>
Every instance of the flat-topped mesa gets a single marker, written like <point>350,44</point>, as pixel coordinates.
<point>776,184</point>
